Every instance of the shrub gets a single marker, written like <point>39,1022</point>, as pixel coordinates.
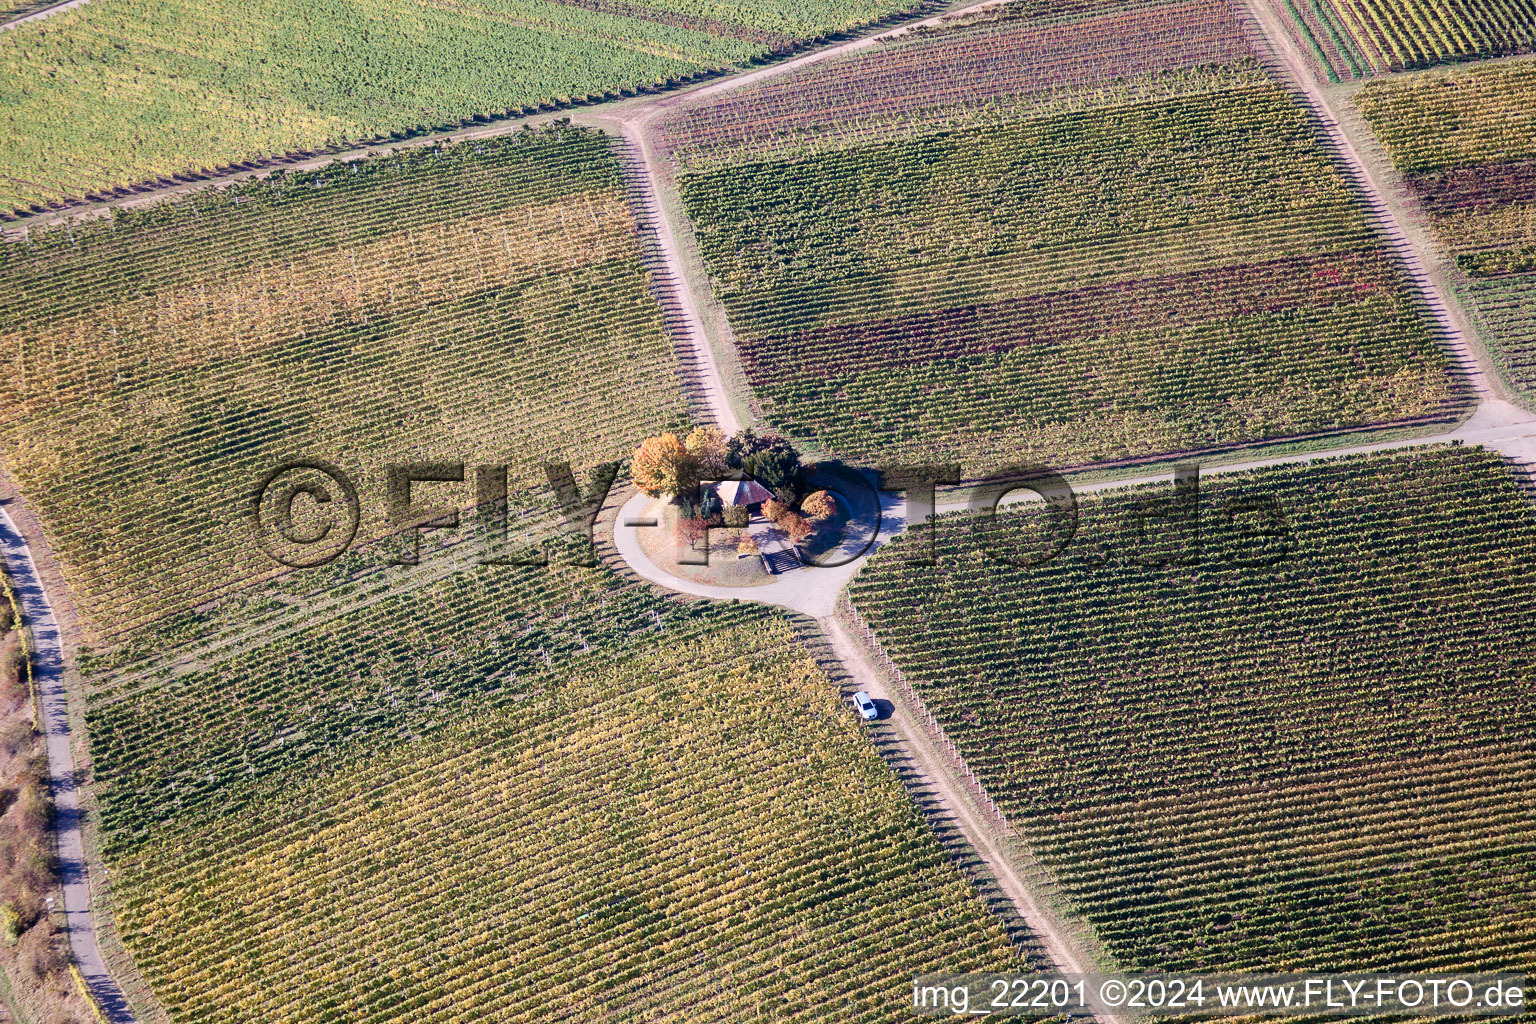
<point>44,958</point>
<point>770,459</point>
<point>536,193</point>
<point>15,736</point>
<point>10,923</point>
<point>949,362</point>
<point>36,808</point>
<point>775,510</point>
<point>777,468</point>
<point>795,525</point>
<point>819,505</point>
<point>690,529</point>
<point>815,802</point>
<point>709,507</point>
<point>13,671</point>
<point>13,660</point>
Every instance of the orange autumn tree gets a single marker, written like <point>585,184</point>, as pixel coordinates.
<point>662,465</point>
<point>708,448</point>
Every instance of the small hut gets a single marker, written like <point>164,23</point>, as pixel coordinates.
<point>742,492</point>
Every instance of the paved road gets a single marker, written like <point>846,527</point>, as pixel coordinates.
<point>46,12</point>
<point>48,666</point>
<point>814,591</point>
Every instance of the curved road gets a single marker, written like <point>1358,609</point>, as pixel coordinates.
<point>814,591</point>
<point>48,669</point>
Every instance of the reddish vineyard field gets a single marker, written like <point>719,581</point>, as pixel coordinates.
<point>1465,143</point>
<point>942,78</point>
<point>1128,243</point>
<point>1324,762</point>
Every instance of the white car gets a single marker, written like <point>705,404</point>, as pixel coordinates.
<point>867,709</point>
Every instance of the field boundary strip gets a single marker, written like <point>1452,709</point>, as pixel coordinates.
<point>702,381</point>
<point>945,774</point>
<point>851,616</point>
<point>150,191</point>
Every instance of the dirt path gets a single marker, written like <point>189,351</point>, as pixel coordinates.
<point>1445,314</point>
<point>794,64</point>
<point>935,770</point>
<point>1495,424</point>
<point>48,668</point>
<point>960,804</point>
<point>622,110</point>
<point>683,303</point>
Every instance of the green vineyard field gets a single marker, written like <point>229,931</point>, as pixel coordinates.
<point>1131,243</point>
<point>1465,143</point>
<point>1347,39</point>
<point>1504,311</point>
<point>515,795</point>
<point>112,94</point>
<point>1311,749</point>
<point>484,303</point>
